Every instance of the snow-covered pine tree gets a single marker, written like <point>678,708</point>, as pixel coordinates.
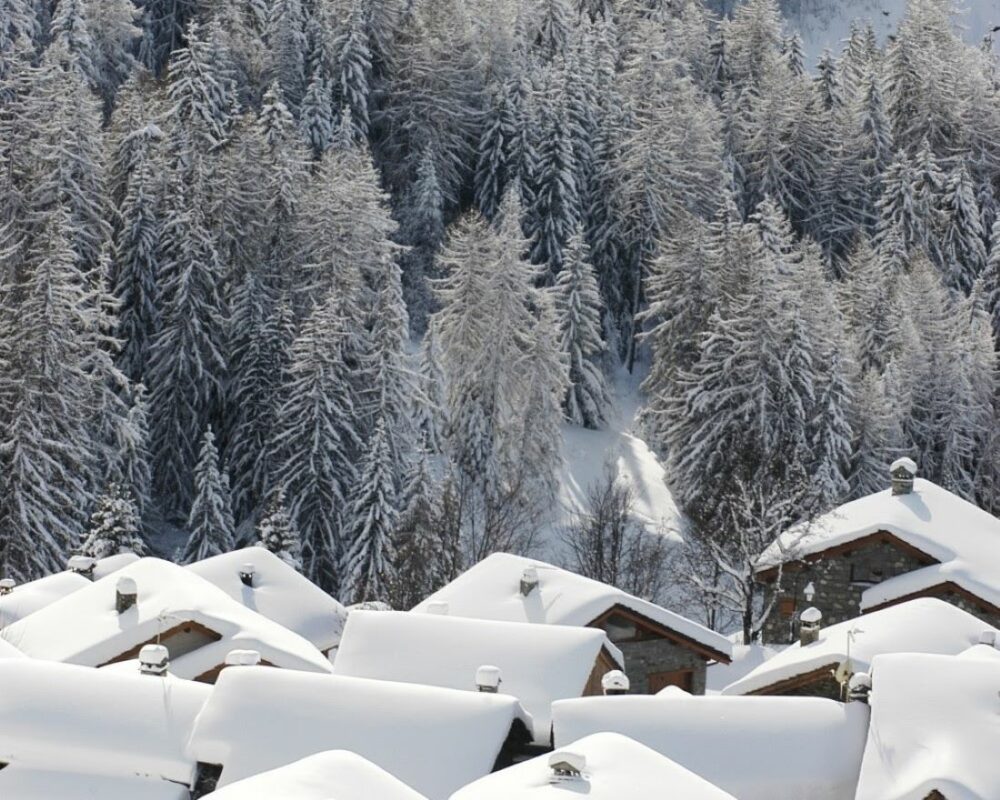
<point>210,524</point>
<point>827,82</point>
<point>495,156</point>
<point>877,435</point>
<point>316,116</point>
<point>115,525</point>
<point>114,33</point>
<point>578,305</point>
<point>419,568</point>
<point>963,247</point>
<point>431,398</point>
<point>277,533</point>
<point>422,228</point>
<point>70,32</point>
<point>285,35</point>
<point>897,208</point>
<point>871,308</point>
<point>354,70</point>
<point>130,459</point>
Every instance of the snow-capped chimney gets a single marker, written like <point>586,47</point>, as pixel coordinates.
<point>903,471</point>
<point>82,565</point>
<point>810,621</point>
<point>529,580</point>
<point>989,638</point>
<point>488,679</point>
<point>615,682</point>
<point>6,586</point>
<point>154,659</point>
<point>859,687</point>
<point>566,766</point>
<point>246,574</point>
<point>126,594</point>
<point>439,607</point>
<point>242,658</point>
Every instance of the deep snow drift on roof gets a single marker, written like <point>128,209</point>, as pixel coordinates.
<point>924,625</point>
<point>539,665</point>
<point>333,774</point>
<point>491,590</point>
<point>755,748</point>
<point>27,598</point>
<point>22,783</point>
<point>432,739</point>
<point>615,767</point>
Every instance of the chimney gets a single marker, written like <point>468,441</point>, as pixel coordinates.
<point>488,679</point>
<point>859,687</point>
<point>989,638</point>
<point>902,471</point>
<point>126,594</point>
<point>810,621</point>
<point>615,682</point>
<point>154,659</point>
<point>566,766</point>
<point>439,607</point>
<point>242,658</point>
<point>82,565</point>
<point>246,574</point>
<point>529,580</point>
<point>6,586</point>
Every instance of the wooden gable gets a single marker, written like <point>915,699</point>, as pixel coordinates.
<point>186,637</point>
<point>645,628</point>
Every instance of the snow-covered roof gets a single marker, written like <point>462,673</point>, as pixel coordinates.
<point>491,590</point>
<point>110,564</point>
<point>27,598</point>
<point>746,658</point>
<point>278,592</point>
<point>934,726</point>
<point>25,783</point>
<point>432,739</point>
<point>616,767</point>
<point>67,718</point>
<point>963,537</point>
<point>755,748</point>
<point>924,625</point>
<point>539,664</point>
<point>85,628</point>
<point>332,774</point>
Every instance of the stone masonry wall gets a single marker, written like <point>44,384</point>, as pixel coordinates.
<point>649,656</point>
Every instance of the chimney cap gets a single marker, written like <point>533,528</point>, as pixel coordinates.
<point>566,763</point>
<point>153,659</point>
<point>529,580</point>
<point>811,616</point>
<point>905,464</point>
<point>988,637</point>
<point>439,607</point>
<point>242,658</point>
<point>126,585</point>
<point>488,678</point>
<point>615,681</point>
<point>7,585</point>
<point>81,563</point>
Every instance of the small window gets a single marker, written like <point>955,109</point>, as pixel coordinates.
<point>681,678</point>
<point>786,606</point>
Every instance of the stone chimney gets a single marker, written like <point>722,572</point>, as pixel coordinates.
<point>242,658</point>
<point>859,687</point>
<point>6,586</point>
<point>902,471</point>
<point>246,574</point>
<point>989,638</point>
<point>810,621</point>
<point>439,607</point>
<point>126,594</point>
<point>566,766</point>
<point>615,682</point>
<point>82,565</point>
<point>154,659</point>
<point>529,580</point>
<point>488,679</point>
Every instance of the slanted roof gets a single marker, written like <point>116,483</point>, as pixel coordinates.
<point>332,774</point>
<point>278,592</point>
<point>85,628</point>
<point>539,664</point>
<point>924,625</point>
<point>110,564</point>
<point>755,748</point>
<point>934,727</point>
<point>963,538</point>
<point>746,658</point>
<point>491,590</point>
<point>27,598</point>
<point>434,740</point>
<point>76,719</point>
<point>617,767</point>
<point>26,783</point>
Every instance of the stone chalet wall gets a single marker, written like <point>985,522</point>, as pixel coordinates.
<point>838,592</point>
<point>647,657</point>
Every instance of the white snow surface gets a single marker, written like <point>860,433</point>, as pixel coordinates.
<point>110,564</point>
<point>27,598</point>
<point>755,748</point>
<point>924,625</point>
<point>491,590</point>
<point>963,537</point>
<point>84,628</point>
<point>434,740</point>
<point>539,664</point>
<point>934,726</point>
<point>336,774</point>
<point>617,767</point>
<point>278,592</point>
<point>75,719</point>
<point>20,783</point>
<point>746,658</point>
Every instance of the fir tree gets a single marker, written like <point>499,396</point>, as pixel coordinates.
<point>277,533</point>
<point>114,525</point>
<point>354,68</point>
<point>210,523</point>
<point>962,243</point>
<point>419,556</point>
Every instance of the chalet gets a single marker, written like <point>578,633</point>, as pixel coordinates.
<point>603,766</point>
<point>537,664</point>
<point>335,773</point>
<point>434,740</point>
<point>661,648</point>
<point>755,748</point>
<point>267,585</point>
<point>934,728</point>
<point>912,540</point>
<point>154,601</point>
<point>823,667</point>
